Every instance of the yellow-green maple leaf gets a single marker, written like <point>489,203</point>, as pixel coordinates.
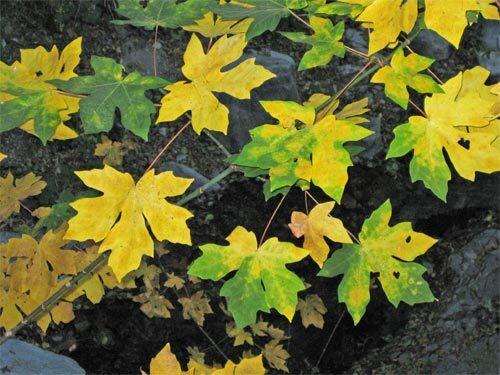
<point>463,121</point>
<point>317,225</point>
<point>204,72</point>
<point>128,238</point>
<point>13,192</point>
<point>27,98</point>
<point>403,72</point>
<point>387,251</point>
<point>211,27</point>
<point>262,281</point>
<point>387,19</point>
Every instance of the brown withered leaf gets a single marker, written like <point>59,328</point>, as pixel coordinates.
<point>312,310</point>
<point>174,281</point>
<point>240,335</point>
<point>276,355</point>
<point>196,307</point>
<point>153,304</point>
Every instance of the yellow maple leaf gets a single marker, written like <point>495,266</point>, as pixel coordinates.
<point>128,238</point>
<point>455,14</point>
<point>36,67</point>
<point>12,193</point>
<point>211,27</point>
<point>317,225</point>
<point>204,71</point>
<point>2,156</point>
<point>386,19</point>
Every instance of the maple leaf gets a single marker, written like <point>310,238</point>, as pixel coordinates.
<point>351,8</point>
<point>113,151</point>
<point>174,281</point>
<point>386,19</point>
<point>266,14</point>
<point>276,355</point>
<point>456,16</point>
<point>165,362</point>
<point>13,192</point>
<point>204,71</point>
<point>296,4</point>
<point>30,274</point>
<point>404,71</point>
<point>28,99</point>
<point>160,13</point>
<point>108,90</point>
<point>153,304</point>
<point>261,282</point>
<point>128,238</point>
<point>309,154</point>
<point>211,27</point>
<point>312,310</point>
<point>240,335</point>
<point>325,42</point>
<point>2,156</point>
<point>462,121</point>
<point>196,307</point>
<point>317,225</point>
<point>388,251</point>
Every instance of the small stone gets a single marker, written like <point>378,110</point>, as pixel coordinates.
<point>430,44</point>
<point>20,358</point>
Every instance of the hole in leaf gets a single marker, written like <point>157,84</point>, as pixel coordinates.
<point>396,274</point>
<point>295,160</point>
<point>465,143</point>
<point>39,73</point>
<point>408,239</point>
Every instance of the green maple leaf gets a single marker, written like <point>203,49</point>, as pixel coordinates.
<point>388,251</point>
<point>335,8</point>
<point>325,42</point>
<point>296,4</point>
<point>108,90</point>
<point>161,13</point>
<point>262,280</point>
<point>314,153</point>
<point>267,14</point>
<point>403,72</point>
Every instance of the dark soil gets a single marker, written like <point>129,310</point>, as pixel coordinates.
<point>114,336</point>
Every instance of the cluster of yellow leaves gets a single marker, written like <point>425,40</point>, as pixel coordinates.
<point>124,206</point>
<point>32,74</point>
<point>204,72</point>
<point>113,151</point>
<point>317,225</point>
<point>153,303</point>
<point>32,271</point>
<point>12,192</point>
<point>165,363</point>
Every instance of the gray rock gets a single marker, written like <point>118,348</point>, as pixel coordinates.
<point>247,114</point>
<point>374,146</point>
<point>461,326</point>
<point>181,170</point>
<point>429,43</point>
<point>490,35</point>
<point>491,61</point>
<point>20,358</point>
<point>356,39</point>
<point>6,236</point>
<point>137,55</point>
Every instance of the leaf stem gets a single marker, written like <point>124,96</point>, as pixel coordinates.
<point>164,149</point>
<point>330,339</point>
<point>155,39</point>
<point>271,219</point>
<point>73,95</point>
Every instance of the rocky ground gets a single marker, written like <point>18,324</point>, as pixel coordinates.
<point>457,334</point>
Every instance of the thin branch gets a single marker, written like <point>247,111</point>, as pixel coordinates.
<point>356,52</point>
<point>223,148</point>
<point>168,145</point>
<point>417,108</point>
<point>329,339</point>
<point>272,218</point>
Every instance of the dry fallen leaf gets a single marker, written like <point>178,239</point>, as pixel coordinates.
<point>312,310</point>
<point>196,307</point>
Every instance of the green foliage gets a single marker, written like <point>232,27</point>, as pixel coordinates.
<point>108,89</point>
